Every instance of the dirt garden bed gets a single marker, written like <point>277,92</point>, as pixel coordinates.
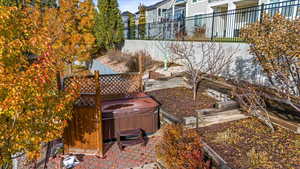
<point>179,101</point>
<point>250,144</point>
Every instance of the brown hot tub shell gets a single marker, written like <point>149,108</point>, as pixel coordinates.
<point>140,111</point>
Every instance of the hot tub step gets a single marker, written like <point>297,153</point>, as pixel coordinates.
<point>136,132</point>
<point>136,137</point>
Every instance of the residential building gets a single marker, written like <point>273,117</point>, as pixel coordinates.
<point>126,21</point>
<point>219,18</point>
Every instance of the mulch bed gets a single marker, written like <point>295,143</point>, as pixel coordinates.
<point>250,144</point>
<point>179,101</point>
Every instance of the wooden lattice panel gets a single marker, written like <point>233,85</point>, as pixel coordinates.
<point>85,101</point>
<point>86,84</point>
<point>120,84</point>
<point>110,85</point>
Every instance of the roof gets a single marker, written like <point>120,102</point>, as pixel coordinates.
<point>156,4</point>
<point>126,13</point>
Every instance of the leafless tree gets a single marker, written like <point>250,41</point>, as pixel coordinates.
<point>202,58</point>
<point>251,101</point>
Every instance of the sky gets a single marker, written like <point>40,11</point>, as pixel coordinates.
<point>132,5</point>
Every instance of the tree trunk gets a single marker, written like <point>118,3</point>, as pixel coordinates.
<point>194,90</point>
<point>23,4</point>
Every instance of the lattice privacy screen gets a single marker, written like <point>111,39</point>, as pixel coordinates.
<point>115,84</point>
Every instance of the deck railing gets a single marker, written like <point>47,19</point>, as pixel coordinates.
<point>217,26</point>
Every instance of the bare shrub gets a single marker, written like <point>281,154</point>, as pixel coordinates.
<point>199,34</point>
<point>180,35</point>
<point>251,101</point>
<point>133,62</point>
<point>212,59</point>
<point>118,56</point>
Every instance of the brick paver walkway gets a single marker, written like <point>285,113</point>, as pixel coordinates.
<point>130,157</point>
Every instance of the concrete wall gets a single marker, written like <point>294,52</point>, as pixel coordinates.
<point>241,68</point>
<point>158,49</point>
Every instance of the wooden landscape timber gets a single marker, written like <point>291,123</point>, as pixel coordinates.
<point>216,158</point>
<point>271,98</point>
<point>227,105</point>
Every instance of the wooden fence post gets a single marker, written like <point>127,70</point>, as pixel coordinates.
<point>99,115</point>
<point>141,71</point>
<point>58,79</point>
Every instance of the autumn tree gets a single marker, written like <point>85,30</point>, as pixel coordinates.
<point>109,26</point>
<point>34,45</point>
<point>142,22</point>
<point>275,44</point>
<point>24,3</point>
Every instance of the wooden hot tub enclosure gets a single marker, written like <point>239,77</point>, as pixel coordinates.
<point>108,104</point>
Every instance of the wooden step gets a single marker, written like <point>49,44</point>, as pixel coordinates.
<point>208,123</point>
<point>135,132</point>
<point>130,137</point>
<point>220,117</point>
<point>224,113</point>
<point>131,142</point>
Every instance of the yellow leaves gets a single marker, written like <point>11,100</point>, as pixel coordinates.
<point>32,110</point>
<point>88,38</point>
<point>276,44</point>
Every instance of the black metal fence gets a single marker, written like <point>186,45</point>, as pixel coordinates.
<point>217,26</point>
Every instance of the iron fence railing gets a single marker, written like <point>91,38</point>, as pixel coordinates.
<point>217,26</point>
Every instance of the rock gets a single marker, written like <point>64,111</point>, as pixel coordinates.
<point>190,122</point>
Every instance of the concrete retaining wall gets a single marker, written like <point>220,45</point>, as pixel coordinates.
<point>241,68</point>
<point>159,49</point>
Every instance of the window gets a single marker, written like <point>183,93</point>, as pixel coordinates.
<point>199,20</point>
<point>195,1</point>
<point>179,14</point>
<point>159,12</point>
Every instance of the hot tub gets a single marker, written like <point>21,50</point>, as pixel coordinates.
<point>139,111</point>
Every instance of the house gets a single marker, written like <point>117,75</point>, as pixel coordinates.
<point>219,18</point>
<point>126,20</point>
<point>175,9</point>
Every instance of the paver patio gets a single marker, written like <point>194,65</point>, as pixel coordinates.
<point>130,157</point>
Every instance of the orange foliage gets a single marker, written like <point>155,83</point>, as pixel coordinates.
<point>34,45</point>
<point>275,42</point>
<point>181,149</point>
